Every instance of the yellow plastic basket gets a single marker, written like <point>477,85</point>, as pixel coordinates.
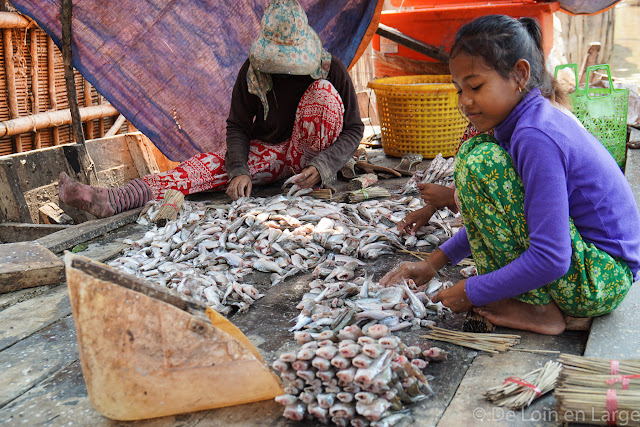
<point>418,114</point>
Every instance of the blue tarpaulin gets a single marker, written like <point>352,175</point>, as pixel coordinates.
<point>169,65</point>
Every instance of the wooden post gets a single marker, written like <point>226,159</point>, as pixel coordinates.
<point>55,136</point>
<point>101,120</point>
<point>87,103</point>
<point>67,58</point>
<point>589,60</point>
<point>35,84</point>
<point>7,39</point>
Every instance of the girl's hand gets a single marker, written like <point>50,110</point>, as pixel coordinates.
<point>240,186</point>
<point>455,298</point>
<point>308,177</point>
<point>416,220</point>
<point>437,195</point>
<point>420,272</point>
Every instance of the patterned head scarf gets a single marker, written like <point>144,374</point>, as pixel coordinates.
<point>286,44</point>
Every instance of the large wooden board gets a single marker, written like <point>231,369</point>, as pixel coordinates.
<point>26,265</point>
<point>25,318</point>
<point>37,357</point>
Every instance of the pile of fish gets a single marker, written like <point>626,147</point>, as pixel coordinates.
<point>354,378</point>
<point>440,171</point>
<point>336,299</point>
<point>209,248</point>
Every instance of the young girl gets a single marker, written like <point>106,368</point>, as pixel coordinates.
<point>549,217</point>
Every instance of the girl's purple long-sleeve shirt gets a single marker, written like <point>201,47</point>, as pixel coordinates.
<point>566,172</point>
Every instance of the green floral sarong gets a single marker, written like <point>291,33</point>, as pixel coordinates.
<point>491,197</point>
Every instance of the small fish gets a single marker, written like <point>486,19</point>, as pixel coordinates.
<point>286,399</point>
<point>295,411</point>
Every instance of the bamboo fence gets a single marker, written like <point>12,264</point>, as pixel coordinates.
<point>32,77</point>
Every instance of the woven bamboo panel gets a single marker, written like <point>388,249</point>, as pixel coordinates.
<point>22,57</point>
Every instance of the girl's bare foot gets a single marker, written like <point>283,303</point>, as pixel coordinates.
<point>544,319</point>
<point>85,197</point>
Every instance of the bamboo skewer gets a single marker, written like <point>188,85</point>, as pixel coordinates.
<point>517,393</point>
<point>492,343</point>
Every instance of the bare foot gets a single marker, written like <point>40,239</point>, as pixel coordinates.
<point>85,197</point>
<point>544,319</point>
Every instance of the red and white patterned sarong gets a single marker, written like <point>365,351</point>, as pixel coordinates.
<point>319,120</point>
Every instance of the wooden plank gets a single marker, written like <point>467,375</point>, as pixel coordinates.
<point>13,298</point>
<point>141,154</point>
<point>65,239</point>
<point>24,319</point>
<point>33,359</point>
<point>112,153</point>
<point>62,400</point>
<point>26,265</point>
<point>51,213</point>
<point>164,164</point>
<point>11,196</point>
<point>110,246</point>
<point>11,232</point>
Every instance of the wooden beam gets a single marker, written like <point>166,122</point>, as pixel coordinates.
<point>35,85</point>
<point>65,239</point>
<point>12,232</point>
<point>413,44</point>
<point>13,20</point>
<point>53,102</point>
<point>116,126</point>
<point>53,118</point>
<point>12,97</point>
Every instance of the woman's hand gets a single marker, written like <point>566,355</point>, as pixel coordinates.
<point>455,298</point>
<point>308,177</point>
<point>240,186</point>
<point>420,272</point>
<point>437,195</point>
<point>416,220</point>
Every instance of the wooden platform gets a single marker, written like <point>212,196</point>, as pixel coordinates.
<point>45,385</point>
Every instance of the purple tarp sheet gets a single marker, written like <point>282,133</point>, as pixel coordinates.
<point>169,65</point>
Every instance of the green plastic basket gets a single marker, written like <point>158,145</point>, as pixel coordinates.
<point>602,111</point>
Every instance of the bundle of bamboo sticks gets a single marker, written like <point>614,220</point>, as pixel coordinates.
<point>598,391</point>
<point>169,207</point>
<point>367,193</point>
<point>519,392</point>
<point>492,343</point>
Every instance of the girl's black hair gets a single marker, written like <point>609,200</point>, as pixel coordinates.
<point>501,41</point>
